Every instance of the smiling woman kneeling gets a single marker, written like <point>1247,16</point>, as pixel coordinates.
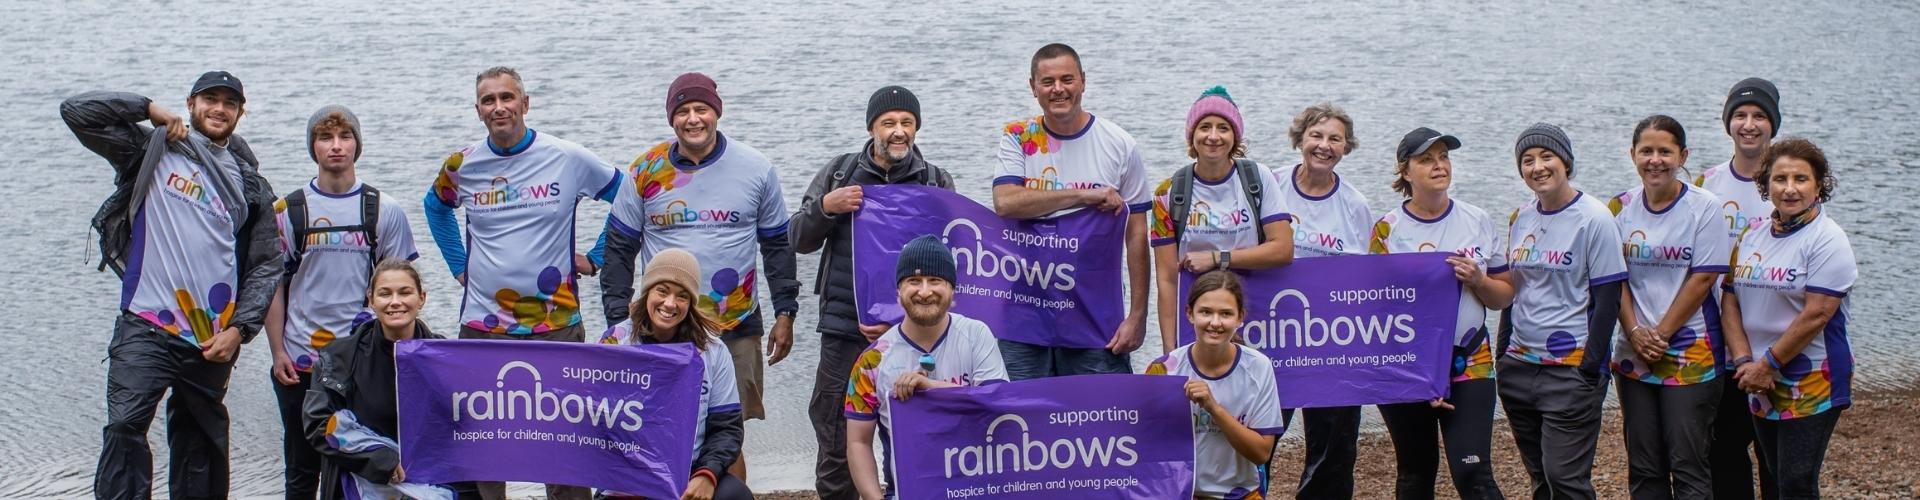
<point>664,313</point>
<point>1236,402</point>
<point>351,414</point>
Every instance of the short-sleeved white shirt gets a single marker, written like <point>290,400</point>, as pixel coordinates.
<point>1740,205</point>
<point>1555,257</point>
<point>1467,231</point>
<point>1100,155</point>
<point>718,392</point>
<point>1663,248</point>
<point>1771,277</point>
<point>717,211</point>
<point>967,354</point>
<point>1249,392</point>
<point>1336,223</point>
<point>520,234</point>
<point>325,295</point>
<point>1219,217</point>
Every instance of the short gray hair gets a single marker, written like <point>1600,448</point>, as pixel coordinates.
<point>497,71</point>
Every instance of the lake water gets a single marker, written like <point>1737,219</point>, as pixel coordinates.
<point>795,77</point>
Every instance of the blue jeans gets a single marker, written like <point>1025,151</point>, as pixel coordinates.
<point>1029,361</point>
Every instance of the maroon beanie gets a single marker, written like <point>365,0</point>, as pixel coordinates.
<point>692,87</point>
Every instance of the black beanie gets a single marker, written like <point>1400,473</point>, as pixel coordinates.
<point>1545,135</point>
<point>890,98</point>
<point>924,256</point>
<point>1757,91</point>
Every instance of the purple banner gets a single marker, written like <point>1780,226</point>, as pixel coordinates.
<point>603,416</point>
<point>1054,282</point>
<point>1088,436</point>
<point>1352,329</point>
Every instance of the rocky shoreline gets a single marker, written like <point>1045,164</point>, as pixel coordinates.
<point>1872,456</point>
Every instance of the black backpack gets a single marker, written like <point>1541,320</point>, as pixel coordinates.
<point>369,225</point>
<point>1180,195</point>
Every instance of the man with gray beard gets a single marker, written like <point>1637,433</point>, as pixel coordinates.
<point>825,222</point>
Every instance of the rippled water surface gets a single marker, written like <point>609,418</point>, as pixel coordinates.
<point>796,75</point>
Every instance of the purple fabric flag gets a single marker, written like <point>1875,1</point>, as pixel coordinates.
<point>1352,329</point>
<point>1054,282</point>
<point>603,416</point>
<point>1090,436</point>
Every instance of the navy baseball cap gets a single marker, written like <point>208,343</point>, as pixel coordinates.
<point>218,79</point>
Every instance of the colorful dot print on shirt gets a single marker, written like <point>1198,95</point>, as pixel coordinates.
<point>1563,348</point>
<point>192,322</point>
<point>731,298</point>
<point>1799,390</point>
<point>1160,230</point>
<point>863,396</point>
<point>1687,360</point>
<point>1033,136</point>
<point>522,315</point>
<point>1473,363</point>
<point>653,172</point>
<point>444,186</point>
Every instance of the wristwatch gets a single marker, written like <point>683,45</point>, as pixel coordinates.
<point>1226,259</point>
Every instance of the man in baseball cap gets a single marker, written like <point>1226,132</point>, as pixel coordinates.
<point>198,270</point>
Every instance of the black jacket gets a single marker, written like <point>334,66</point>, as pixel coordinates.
<point>811,229</point>
<point>335,389</point>
<point>109,124</point>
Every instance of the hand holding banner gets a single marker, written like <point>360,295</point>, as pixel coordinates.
<point>613,417</point>
<point>1053,282</point>
<point>1352,330</point>
<point>1107,436</point>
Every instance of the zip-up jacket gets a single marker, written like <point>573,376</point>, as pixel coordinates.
<point>811,229</point>
<point>110,125</point>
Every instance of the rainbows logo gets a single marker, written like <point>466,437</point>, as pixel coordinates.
<point>1637,248</point>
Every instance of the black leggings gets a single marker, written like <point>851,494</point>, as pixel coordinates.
<point>1791,452</point>
<point>1468,434</point>
<point>1333,436</point>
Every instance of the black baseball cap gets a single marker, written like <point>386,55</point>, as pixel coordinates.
<point>218,79</point>
<point>1419,140</point>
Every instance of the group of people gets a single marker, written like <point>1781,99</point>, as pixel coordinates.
<point>1728,293</point>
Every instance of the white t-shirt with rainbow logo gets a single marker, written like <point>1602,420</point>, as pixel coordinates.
<point>1556,256</point>
<point>1100,155</point>
<point>1772,276</point>
<point>1464,230</point>
<point>520,230</point>
<point>1336,223</point>
<point>324,297</point>
<point>1663,249</point>
<point>1740,205</point>
<point>716,210</point>
<point>1249,392</point>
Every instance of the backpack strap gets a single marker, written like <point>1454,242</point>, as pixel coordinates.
<point>1180,200</point>
<point>370,225</point>
<point>1250,173</point>
<point>842,172</point>
<point>297,226</point>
